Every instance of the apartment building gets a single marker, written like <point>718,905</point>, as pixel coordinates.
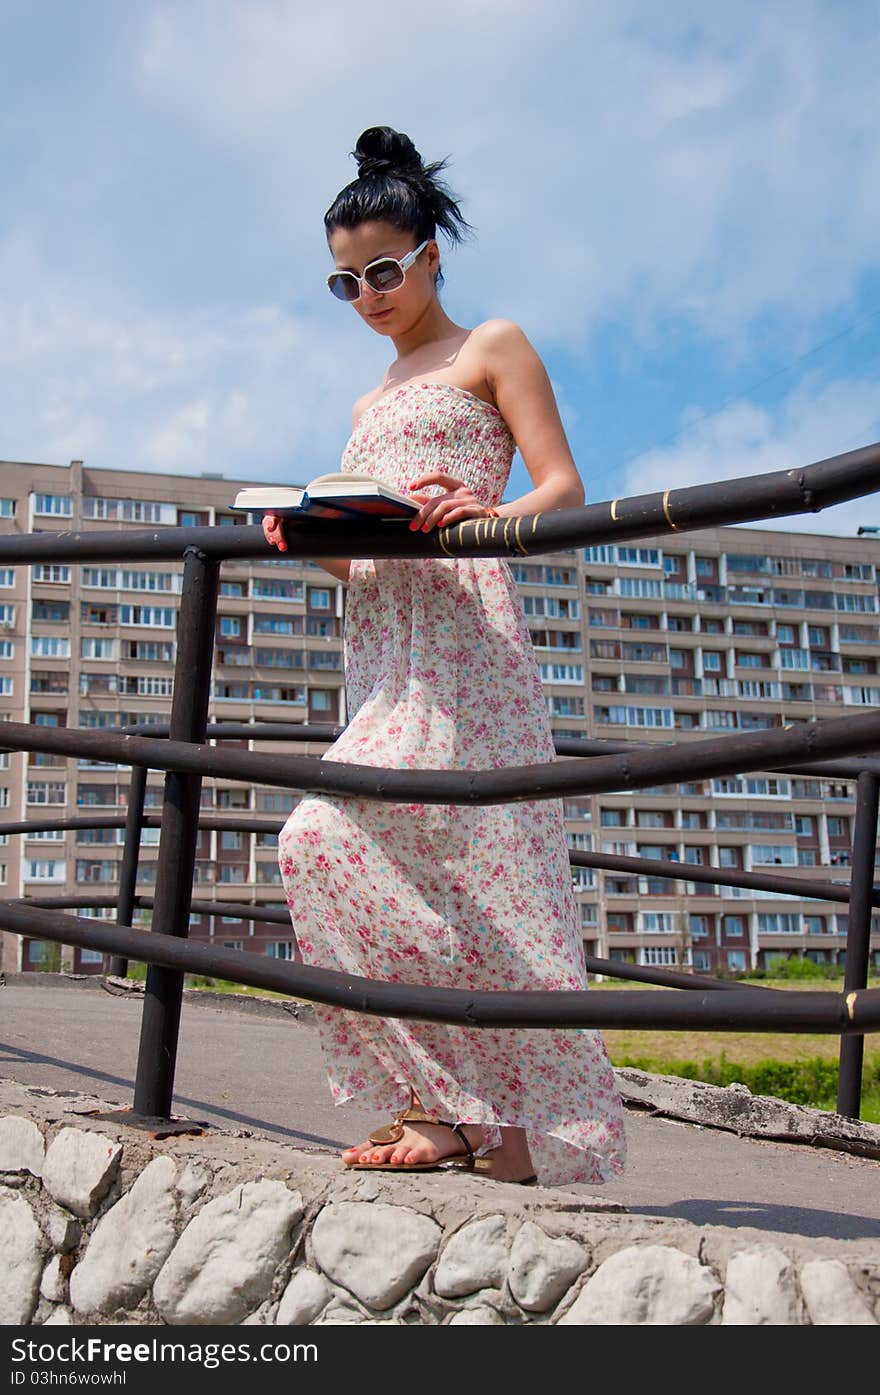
<point>94,646</point>
<point>723,630</point>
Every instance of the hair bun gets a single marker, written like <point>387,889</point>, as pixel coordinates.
<point>381,150</point>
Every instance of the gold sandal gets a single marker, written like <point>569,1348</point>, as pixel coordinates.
<point>393,1133</point>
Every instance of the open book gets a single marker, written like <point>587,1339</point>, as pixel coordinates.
<point>329,496</point>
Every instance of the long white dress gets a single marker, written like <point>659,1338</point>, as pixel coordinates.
<point>440,673</point>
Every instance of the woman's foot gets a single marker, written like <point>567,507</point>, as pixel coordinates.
<point>421,1143</point>
<point>511,1160</point>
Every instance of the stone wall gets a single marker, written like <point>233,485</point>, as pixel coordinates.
<point>101,1223</point>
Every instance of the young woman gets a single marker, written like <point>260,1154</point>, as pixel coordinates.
<point>440,673</point>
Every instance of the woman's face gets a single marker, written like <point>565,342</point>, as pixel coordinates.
<point>390,312</point>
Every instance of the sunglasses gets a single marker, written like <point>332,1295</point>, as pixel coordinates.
<point>386,274</point>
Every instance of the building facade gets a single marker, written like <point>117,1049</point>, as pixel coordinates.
<point>717,631</point>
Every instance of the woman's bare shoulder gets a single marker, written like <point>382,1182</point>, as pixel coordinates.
<point>502,345</point>
<point>498,333</point>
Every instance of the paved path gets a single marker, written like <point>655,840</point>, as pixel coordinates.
<point>259,1069</point>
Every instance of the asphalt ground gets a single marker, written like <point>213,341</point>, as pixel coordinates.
<point>254,1067</point>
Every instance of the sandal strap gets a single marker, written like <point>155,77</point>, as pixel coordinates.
<point>393,1132</point>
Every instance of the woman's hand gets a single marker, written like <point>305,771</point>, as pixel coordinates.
<point>439,510</point>
<point>273,530</point>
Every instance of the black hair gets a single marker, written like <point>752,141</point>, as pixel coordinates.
<point>394,186</point>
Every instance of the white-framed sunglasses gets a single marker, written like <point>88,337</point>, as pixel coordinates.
<point>384,275</point>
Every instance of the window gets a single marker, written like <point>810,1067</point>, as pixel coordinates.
<point>814,924</point>
<point>280,949</point>
<point>562,673</point>
<point>659,954</point>
<point>635,716</point>
<point>230,626</point>
<point>720,718</point>
<point>51,572</point>
<point>274,625</point>
<point>103,578</point>
<point>98,648</point>
<point>276,589</point>
<point>50,647</point>
<point>712,661</point>
<point>736,960</point>
<point>57,612</point>
<point>7,649</point>
<point>232,872</point>
<point>59,505</point>
<point>128,510</point>
<point>231,839</point>
<point>658,922</point>
<point>785,634</point>
<point>147,615</point>
<point>319,598</point>
<point>321,699</point>
<point>698,926</point>
<point>274,801</point>
<point>147,581</point>
<point>44,792</point>
<point>42,870</point>
<point>7,508</point>
<point>732,926</point>
<point>779,924</point>
<point>773,854</point>
<point>639,586</point>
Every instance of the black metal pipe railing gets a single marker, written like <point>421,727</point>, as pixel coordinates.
<point>154,1082</point>
<point>137,789</point>
<point>186,760</point>
<point>722,755</point>
<point>849,1079</point>
<point>776,494</point>
<point>737,1010</point>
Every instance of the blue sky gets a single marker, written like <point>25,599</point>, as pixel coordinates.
<point>679,203</point>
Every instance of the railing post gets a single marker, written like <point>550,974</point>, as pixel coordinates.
<point>858,938</point>
<point>157,1053</point>
<point>134,817</point>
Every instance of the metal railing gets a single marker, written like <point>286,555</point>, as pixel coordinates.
<point>820,747</point>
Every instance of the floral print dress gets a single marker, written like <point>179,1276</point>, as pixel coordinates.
<point>440,673</point>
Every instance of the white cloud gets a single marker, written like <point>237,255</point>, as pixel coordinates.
<point>678,172</point>
<point>813,423</point>
<point>256,393</point>
<point>709,164</point>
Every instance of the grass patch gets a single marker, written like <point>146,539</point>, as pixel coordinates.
<point>811,1081</point>
<point>798,1067</point>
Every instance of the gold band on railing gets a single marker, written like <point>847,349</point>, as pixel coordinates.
<point>666,494</point>
<point>614,518</point>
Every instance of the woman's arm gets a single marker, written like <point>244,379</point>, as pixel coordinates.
<point>524,395</point>
<point>273,532</point>
<point>519,383</point>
